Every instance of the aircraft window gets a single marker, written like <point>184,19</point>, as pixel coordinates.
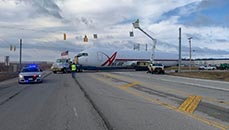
<point>85,54</point>
<point>82,54</point>
<point>79,55</point>
<point>60,60</point>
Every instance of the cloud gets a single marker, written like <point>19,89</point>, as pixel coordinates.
<point>36,8</point>
<point>44,7</point>
<point>198,52</point>
<point>41,24</point>
<point>200,13</point>
<point>222,40</point>
<point>206,4</point>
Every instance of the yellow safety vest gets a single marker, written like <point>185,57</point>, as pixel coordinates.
<point>73,66</point>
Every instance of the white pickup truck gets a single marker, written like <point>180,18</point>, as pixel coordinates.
<point>156,68</point>
<point>207,67</point>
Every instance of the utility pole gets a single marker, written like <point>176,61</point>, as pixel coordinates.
<point>190,53</point>
<point>179,62</point>
<point>20,54</point>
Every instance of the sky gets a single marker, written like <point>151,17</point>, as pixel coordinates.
<point>41,25</point>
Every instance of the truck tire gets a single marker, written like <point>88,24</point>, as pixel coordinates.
<point>152,71</point>
<point>64,70</point>
<point>158,70</point>
<point>54,72</point>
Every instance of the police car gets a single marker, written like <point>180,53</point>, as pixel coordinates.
<point>30,74</point>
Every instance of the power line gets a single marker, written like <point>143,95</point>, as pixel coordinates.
<point>5,41</point>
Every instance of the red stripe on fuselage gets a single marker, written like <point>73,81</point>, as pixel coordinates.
<point>110,60</point>
<point>146,60</point>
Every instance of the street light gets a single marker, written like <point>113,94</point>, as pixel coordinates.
<point>190,53</point>
<point>137,26</point>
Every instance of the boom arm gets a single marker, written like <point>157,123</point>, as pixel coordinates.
<point>154,45</point>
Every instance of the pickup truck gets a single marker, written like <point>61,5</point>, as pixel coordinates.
<point>156,68</point>
<point>207,67</point>
<point>61,65</point>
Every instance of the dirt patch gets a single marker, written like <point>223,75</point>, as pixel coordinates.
<point>212,75</point>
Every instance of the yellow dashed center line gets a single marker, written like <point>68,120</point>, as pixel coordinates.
<point>190,104</point>
<point>187,107</point>
<point>172,90</point>
<point>129,85</point>
<point>186,103</point>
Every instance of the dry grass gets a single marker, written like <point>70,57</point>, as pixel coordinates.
<point>5,76</point>
<point>182,68</point>
<point>212,75</point>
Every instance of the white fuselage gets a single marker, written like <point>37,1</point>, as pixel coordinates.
<point>96,57</point>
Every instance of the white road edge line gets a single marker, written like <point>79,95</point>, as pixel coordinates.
<point>75,112</point>
<point>199,85</point>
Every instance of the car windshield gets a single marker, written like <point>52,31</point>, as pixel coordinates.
<point>30,69</point>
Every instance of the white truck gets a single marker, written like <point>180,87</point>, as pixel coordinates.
<point>61,65</point>
<point>156,68</point>
<point>207,67</point>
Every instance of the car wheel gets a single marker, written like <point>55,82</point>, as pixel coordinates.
<point>158,71</point>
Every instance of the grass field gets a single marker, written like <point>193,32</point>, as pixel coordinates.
<point>7,76</point>
<point>212,75</point>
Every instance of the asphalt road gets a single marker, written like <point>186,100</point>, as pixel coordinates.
<point>112,100</point>
<point>56,104</point>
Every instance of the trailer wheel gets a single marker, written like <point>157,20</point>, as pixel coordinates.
<point>65,70</point>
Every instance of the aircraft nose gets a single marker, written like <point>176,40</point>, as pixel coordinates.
<point>82,61</point>
<point>79,60</point>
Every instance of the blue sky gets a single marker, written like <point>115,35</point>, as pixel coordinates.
<point>41,24</point>
<point>211,16</point>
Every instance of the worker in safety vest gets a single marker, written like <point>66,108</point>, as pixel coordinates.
<point>73,69</point>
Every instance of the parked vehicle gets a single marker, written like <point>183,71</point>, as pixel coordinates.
<point>224,66</point>
<point>61,65</point>
<point>142,66</point>
<point>207,67</point>
<point>156,68</point>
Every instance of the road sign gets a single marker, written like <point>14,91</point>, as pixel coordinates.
<point>95,36</point>
<point>131,34</point>
<point>85,39</point>
<point>65,36</point>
